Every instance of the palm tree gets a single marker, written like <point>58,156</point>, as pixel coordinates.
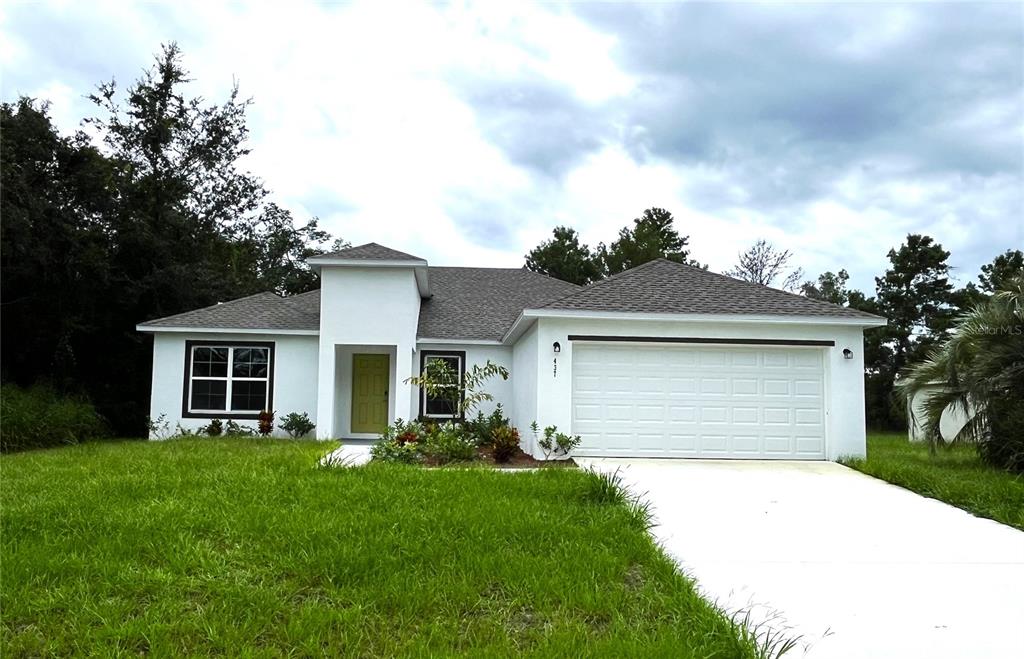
<point>980,373</point>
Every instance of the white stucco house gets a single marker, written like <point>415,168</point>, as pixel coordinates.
<point>664,360</point>
<point>951,422</point>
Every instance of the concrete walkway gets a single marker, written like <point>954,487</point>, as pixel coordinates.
<point>349,454</point>
<point>853,566</point>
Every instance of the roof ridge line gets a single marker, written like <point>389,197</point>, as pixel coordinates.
<point>778,290</point>
<point>607,279</point>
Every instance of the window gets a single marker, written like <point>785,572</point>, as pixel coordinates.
<point>438,407</point>
<point>232,381</point>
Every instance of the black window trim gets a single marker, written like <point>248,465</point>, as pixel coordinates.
<point>186,388</point>
<point>426,354</point>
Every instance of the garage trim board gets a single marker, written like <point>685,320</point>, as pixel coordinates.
<point>704,398</point>
<point>701,339</point>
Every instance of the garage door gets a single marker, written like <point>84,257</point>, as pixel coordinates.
<point>699,401</point>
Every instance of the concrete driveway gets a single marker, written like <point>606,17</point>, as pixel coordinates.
<point>853,566</point>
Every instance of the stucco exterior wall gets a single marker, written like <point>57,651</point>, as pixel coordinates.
<point>524,387</point>
<point>369,307</point>
<point>844,378</point>
<point>295,371</point>
<point>950,423</point>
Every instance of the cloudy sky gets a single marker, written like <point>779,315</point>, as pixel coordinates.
<point>463,133</point>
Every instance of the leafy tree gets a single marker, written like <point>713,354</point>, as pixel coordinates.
<point>441,381</point>
<point>830,287</point>
<point>563,257</point>
<point>915,295</point>
<point>652,236</point>
<point>981,369</point>
<point>157,219</point>
<point>54,246</point>
<point>764,264</point>
<point>1004,268</point>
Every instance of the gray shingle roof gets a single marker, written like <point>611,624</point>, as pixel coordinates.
<point>370,252</point>
<point>482,303</point>
<point>663,286</point>
<point>263,311</point>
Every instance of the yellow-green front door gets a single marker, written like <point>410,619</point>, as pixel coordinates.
<point>370,377</point>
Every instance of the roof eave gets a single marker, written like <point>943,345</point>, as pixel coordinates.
<point>789,319</point>
<point>319,261</point>
<point>224,330</point>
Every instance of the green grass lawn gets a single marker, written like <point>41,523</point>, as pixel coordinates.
<point>954,475</point>
<point>242,547</point>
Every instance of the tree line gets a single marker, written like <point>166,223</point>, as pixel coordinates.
<point>915,293</point>
<point>147,214</point>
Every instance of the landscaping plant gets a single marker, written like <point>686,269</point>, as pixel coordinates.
<point>483,427</point>
<point>297,425</point>
<point>555,444</point>
<point>235,430</point>
<point>450,442</point>
<point>215,428</point>
<point>266,422</point>
<point>980,370</point>
<point>504,443</point>
<point>465,395</point>
<point>401,442</point>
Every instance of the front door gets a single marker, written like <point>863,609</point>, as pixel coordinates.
<point>370,377</point>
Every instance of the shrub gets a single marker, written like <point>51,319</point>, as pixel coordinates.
<point>504,443</point>
<point>39,417</point>
<point>450,443</point>
<point>556,444</point>
<point>483,427</point>
<point>215,429</point>
<point>236,430</point>
<point>418,442</point>
<point>266,422</point>
<point>392,451</point>
<point>1002,444</point>
<point>401,442</point>
<point>297,425</point>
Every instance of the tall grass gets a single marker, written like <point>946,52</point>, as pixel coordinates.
<point>954,474</point>
<point>39,417</point>
<point>241,547</point>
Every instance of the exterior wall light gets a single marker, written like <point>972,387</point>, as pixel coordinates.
<point>556,347</point>
<point>847,353</point>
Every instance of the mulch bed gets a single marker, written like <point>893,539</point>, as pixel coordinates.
<point>519,460</point>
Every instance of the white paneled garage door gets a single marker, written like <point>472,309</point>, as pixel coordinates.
<point>699,401</point>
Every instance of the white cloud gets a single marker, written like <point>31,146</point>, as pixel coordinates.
<point>358,117</point>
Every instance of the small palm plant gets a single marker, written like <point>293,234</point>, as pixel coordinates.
<point>979,372</point>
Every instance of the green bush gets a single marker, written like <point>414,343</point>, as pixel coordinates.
<point>297,425</point>
<point>393,451</point>
<point>401,442</point>
<point>450,443</point>
<point>504,443</point>
<point>236,430</point>
<point>39,417</point>
<point>555,444</point>
<point>1002,445</point>
<point>214,429</point>
<point>483,427</point>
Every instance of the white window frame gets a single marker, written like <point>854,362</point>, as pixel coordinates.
<point>229,378</point>
<point>461,371</point>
